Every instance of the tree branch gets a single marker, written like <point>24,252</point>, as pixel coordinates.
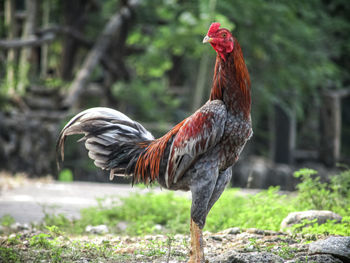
<point>31,41</point>
<point>68,31</point>
<point>43,36</point>
<point>97,53</point>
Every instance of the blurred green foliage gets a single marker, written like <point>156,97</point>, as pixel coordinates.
<point>65,175</point>
<point>289,46</point>
<point>146,102</point>
<point>292,48</point>
<point>315,194</point>
<point>7,220</point>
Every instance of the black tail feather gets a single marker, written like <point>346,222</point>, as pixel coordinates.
<point>113,140</point>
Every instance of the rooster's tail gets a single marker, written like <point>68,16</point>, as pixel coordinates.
<point>113,140</point>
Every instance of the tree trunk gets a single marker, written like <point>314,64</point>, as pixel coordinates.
<point>330,128</point>
<point>28,31</point>
<point>284,130</point>
<point>74,18</point>
<point>45,47</point>
<point>10,24</point>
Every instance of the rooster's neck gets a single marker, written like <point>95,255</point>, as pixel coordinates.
<point>231,82</point>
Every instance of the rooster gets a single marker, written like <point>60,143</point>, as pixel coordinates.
<point>196,155</point>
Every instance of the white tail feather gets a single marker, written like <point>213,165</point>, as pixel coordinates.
<point>106,132</point>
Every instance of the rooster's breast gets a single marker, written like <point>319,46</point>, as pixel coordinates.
<point>238,130</point>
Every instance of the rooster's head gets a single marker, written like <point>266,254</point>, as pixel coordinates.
<point>221,39</point>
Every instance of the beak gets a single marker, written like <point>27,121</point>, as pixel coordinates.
<point>207,39</point>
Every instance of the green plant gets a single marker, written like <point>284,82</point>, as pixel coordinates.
<point>65,175</point>
<point>51,249</point>
<point>54,231</point>
<point>55,255</point>
<point>41,241</point>
<point>9,255</point>
<point>314,194</point>
<point>54,83</point>
<point>286,252</point>
<point>60,221</point>
<point>153,248</point>
<point>7,220</point>
<point>142,212</point>
<point>253,244</point>
<point>331,227</point>
<point>340,184</point>
<point>14,239</point>
<point>264,210</point>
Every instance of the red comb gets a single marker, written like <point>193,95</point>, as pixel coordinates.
<point>213,28</point>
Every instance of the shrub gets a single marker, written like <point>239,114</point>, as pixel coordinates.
<point>314,194</point>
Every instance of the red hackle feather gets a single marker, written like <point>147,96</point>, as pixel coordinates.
<point>148,163</point>
<point>237,84</point>
<point>243,79</point>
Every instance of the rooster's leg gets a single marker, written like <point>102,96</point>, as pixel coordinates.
<point>197,251</point>
<point>203,182</point>
<point>223,179</point>
<point>204,197</point>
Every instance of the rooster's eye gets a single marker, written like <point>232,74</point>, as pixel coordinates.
<point>223,34</point>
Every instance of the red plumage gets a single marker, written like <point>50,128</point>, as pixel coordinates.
<point>197,154</point>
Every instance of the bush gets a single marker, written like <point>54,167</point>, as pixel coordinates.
<point>314,194</point>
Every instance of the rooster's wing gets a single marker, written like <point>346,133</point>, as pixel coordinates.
<point>199,133</point>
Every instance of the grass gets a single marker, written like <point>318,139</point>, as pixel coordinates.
<point>144,213</point>
<point>57,247</point>
<point>265,210</point>
<point>7,220</point>
<point>9,254</point>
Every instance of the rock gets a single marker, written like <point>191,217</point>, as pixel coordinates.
<point>83,260</point>
<point>255,231</point>
<point>12,236</point>
<point>158,227</point>
<point>258,172</point>
<point>337,246</point>
<point>261,257</point>
<point>273,233</point>
<point>99,230</point>
<point>321,215</point>
<point>25,226</point>
<point>232,231</point>
<point>122,226</point>
<point>19,227</point>
<point>217,238</point>
<point>324,258</point>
